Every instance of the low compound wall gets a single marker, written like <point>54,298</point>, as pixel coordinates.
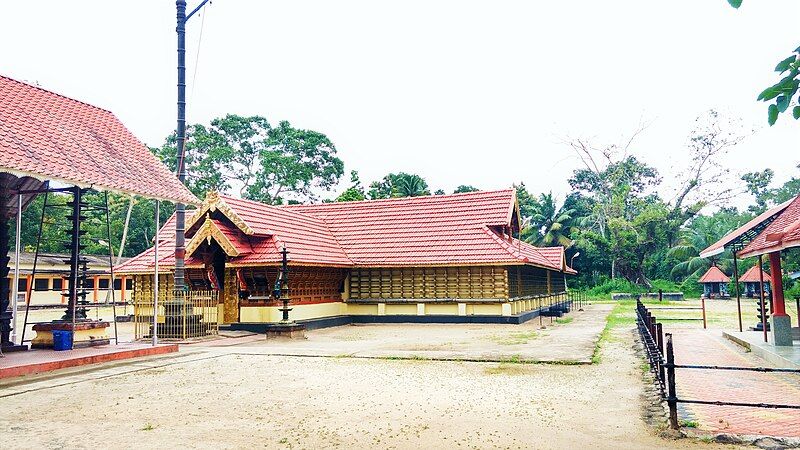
<point>668,296</point>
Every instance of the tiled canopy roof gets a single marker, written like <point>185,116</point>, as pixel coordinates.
<point>51,137</point>
<point>752,276</point>
<point>443,230</point>
<point>782,233</point>
<point>714,275</point>
<point>747,232</point>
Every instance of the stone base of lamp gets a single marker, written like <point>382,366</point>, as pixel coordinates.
<point>86,333</point>
<point>290,330</point>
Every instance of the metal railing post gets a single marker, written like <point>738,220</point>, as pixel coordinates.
<point>660,348</point>
<point>672,395</point>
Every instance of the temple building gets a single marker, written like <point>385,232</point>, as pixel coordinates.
<point>752,279</point>
<point>715,283</point>
<point>445,258</point>
<point>50,285</point>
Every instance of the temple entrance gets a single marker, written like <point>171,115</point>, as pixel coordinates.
<point>213,276</point>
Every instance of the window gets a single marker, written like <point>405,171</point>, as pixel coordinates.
<point>58,284</point>
<point>103,283</point>
<point>41,284</point>
<point>117,284</point>
<point>22,285</point>
<point>89,283</point>
<point>129,284</point>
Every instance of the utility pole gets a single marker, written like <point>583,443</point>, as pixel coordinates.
<point>180,208</point>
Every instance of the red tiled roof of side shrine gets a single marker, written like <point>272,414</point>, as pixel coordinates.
<point>752,276</point>
<point>714,275</point>
<point>442,230</point>
<point>782,233</point>
<point>48,136</point>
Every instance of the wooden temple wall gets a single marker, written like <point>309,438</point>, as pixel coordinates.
<point>144,284</point>
<point>326,292</point>
<point>482,282</point>
<point>525,281</point>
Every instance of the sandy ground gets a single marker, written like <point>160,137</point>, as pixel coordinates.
<point>221,398</point>
<point>569,340</point>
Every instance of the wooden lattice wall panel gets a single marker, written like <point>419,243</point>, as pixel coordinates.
<point>526,281</point>
<point>143,285</point>
<point>306,284</point>
<point>484,282</point>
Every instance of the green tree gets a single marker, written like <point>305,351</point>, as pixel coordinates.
<point>355,192</point>
<point>785,89</point>
<point>699,234</point>
<point>203,160</point>
<point>465,188</point>
<point>398,185</point>
<point>410,186</point>
<point>551,224</point>
<point>265,163</point>
<point>295,162</point>
<point>758,185</point>
<point>528,205</point>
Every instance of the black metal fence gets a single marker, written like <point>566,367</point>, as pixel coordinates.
<point>660,355</point>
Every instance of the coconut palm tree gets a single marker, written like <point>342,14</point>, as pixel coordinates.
<point>550,225</point>
<point>406,185</point>
<point>702,233</point>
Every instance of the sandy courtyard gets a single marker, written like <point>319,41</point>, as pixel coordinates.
<point>229,397</point>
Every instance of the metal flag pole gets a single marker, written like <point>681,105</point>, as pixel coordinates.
<point>155,283</point>
<point>15,290</point>
<point>180,208</point>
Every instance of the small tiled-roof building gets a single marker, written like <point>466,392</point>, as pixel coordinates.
<point>446,255</point>
<point>752,279</point>
<point>715,283</point>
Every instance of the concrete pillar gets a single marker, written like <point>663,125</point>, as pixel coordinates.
<point>781,322</point>
<point>462,309</point>
<point>381,309</point>
<point>420,309</point>
<point>506,309</point>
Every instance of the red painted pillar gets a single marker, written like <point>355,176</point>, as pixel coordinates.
<point>778,305</point>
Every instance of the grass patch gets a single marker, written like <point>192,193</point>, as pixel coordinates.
<point>148,427</point>
<point>505,369</point>
<point>689,424</point>
<point>564,320</point>
<point>623,315</point>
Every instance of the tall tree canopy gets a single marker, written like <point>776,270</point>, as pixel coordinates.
<point>465,188</point>
<point>263,163</point>
<point>399,184</point>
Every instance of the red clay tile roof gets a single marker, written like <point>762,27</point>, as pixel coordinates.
<point>144,262</point>
<point>51,137</point>
<point>714,275</point>
<point>443,230</point>
<point>752,276</point>
<point>431,230</point>
<point>782,233</point>
<point>719,246</point>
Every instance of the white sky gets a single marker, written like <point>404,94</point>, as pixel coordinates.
<point>460,92</point>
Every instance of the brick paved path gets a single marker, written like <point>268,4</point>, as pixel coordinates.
<point>694,346</point>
